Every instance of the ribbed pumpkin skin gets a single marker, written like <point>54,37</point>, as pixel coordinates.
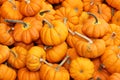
<point>115,76</point>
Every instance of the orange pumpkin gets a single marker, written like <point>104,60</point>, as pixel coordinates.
<point>34,55</point>
<point>77,5</point>
<point>4,53</point>
<point>116,18</point>
<point>53,33</point>
<point>26,30</point>
<point>7,73</point>
<point>114,76</point>
<point>56,53</point>
<point>30,7</point>
<point>111,59</point>
<point>6,37</point>
<point>25,74</point>
<point>17,57</point>
<point>81,68</point>
<point>10,10</point>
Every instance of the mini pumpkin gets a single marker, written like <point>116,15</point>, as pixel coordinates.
<point>10,10</point>
<point>7,73</point>
<point>34,55</point>
<point>53,33</point>
<point>81,68</point>
<point>17,57</point>
<point>4,53</point>
<point>114,76</point>
<point>56,53</point>
<point>25,74</point>
<point>116,18</point>
<point>26,30</point>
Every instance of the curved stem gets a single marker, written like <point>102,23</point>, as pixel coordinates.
<point>50,25</point>
<point>99,11</point>
<point>42,12</point>
<point>27,1</point>
<point>70,31</point>
<point>47,47</point>
<point>42,60</point>
<point>85,37</point>
<point>96,20</point>
<point>13,53</point>
<point>64,60</point>
<point>13,3</point>
<point>16,21</point>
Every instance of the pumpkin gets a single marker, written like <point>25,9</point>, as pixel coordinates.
<point>114,76</point>
<point>50,71</point>
<point>55,1</point>
<point>100,72</point>
<point>10,10</point>
<point>30,7</point>
<point>81,68</point>
<point>95,27</point>
<point>26,30</point>
<point>53,33</point>
<point>102,11</point>
<point>56,53</point>
<point>112,37</point>
<point>77,5</point>
<point>111,59</point>
<point>7,73</point>
<point>91,48</point>
<point>2,1</point>
<point>33,57</point>
<point>46,12</point>
<point>4,53</point>
<point>21,44</point>
<point>25,74</point>
<point>17,57</point>
<point>6,37</point>
<point>68,16</point>
<point>114,3</point>
<point>87,4</point>
<point>115,19</point>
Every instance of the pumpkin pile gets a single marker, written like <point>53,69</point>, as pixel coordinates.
<point>59,40</point>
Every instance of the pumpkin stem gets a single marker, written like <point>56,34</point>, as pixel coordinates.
<point>65,20</point>
<point>63,61</point>
<point>14,53</point>
<point>96,20</point>
<point>70,31</point>
<point>118,56</point>
<point>85,37</point>
<point>98,78</point>
<point>42,60</point>
<point>91,2</point>
<point>47,47</point>
<point>50,25</point>
<point>13,3</point>
<point>27,1</point>
<point>99,10</point>
<point>11,29</point>
<point>16,21</point>
<point>113,35</point>
<point>112,11</point>
<point>42,12</point>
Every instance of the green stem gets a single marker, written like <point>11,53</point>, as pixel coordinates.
<point>42,12</point>
<point>96,20</point>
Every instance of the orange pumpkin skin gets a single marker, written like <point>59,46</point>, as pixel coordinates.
<point>7,73</point>
<point>2,1</point>
<point>90,50</point>
<point>112,37</point>
<point>55,1</point>
<point>100,73</point>
<point>46,12</point>
<point>29,32</point>
<point>94,29</point>
<point>34,55</point>
<point>25,74</point>
<point>116,18</point>
<point>114,76</point>
<point>69,14</point>
<point>56,53</point>
<point>77,5</point>
<point>6,37</point>
<point>52,73</point>
<point>79,69</point>
<point>55,34</point>
<point>30,7</point>
<point>114,3</point>
<point>111,59</point>
<point>4,53</point>
<point>102,11</point>
<point>8,11</point>
<point>17,57</point>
